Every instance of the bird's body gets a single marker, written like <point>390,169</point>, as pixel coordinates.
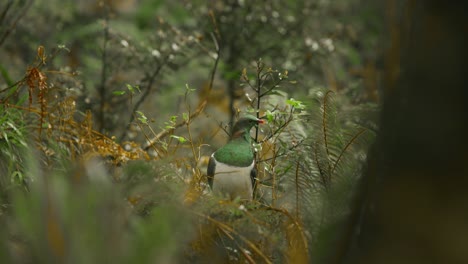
<point>231,169</point>
<point>232,181</point>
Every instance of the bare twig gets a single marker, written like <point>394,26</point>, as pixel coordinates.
<point>279,129</point>
<point>5,11</point>
<point>144,96</point>
<point>244,253</point>
<point>286,152</point>
<point>260,66</point>
<point>15,21</point>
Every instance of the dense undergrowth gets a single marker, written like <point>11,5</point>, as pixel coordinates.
<point>81,184</point>
<point>70,193</point>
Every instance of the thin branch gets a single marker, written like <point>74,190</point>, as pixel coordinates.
<point>14,84</point>
<point>215,66</point>
<point>258,90</point>
<point>148,139</point>
<point>216,29</point>
<point>145,94</point>
<point>271,88</point>
<point>286,152</point>
<point>169,131</point>
<point>102,86</point>
<point>150,85</point>
<point>279,129</point>
<point>244,253</point>
<point>5,11</point>
<point>13,25</point>
<point>200,107</point>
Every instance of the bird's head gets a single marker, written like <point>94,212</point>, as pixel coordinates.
<point>244,124</point>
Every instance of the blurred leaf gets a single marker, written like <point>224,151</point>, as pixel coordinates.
<point>118,92</point>
<point>180,139</point>
<point>132,89</point>
<point>185,116</point>
<point>143,119</point>
<point>270,116</point>
<point>295,103</point>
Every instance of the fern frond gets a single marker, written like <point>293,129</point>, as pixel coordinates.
<point>350,142</point>
<point>323,175</point>
<point>325,110</point>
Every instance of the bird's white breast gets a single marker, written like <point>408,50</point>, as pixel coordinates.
<point>233,181</point>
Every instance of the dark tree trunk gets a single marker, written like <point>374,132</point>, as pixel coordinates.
<point>413,204</point>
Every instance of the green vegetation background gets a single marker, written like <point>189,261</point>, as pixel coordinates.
<point>109,110</point>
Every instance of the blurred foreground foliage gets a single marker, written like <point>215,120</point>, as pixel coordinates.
<point>104,137</point>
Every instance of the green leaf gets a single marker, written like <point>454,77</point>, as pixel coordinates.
<point>186,117</point>
<point>188,89</point>
<point>257,147</point>
<point>295,103</point>
<point>118,93</point>
<point>132,89</point>
<point>63,47</point>
<point>143,119</point>
<point>180,139</point>
<point>5,137</point>
<point>269,116</point>
<point>283,75</point>
<point>17,176</point>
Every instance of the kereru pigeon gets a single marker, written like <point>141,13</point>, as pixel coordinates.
<point>231,169</point>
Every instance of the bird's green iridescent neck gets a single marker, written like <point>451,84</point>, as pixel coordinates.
<point>237,152</point>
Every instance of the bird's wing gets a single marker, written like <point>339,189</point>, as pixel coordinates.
<point>211,171</point>
<point>253,178</point>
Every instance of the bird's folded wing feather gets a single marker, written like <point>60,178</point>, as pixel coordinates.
<point>211,171</point>
<point>253,177</point>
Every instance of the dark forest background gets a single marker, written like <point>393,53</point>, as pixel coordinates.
<point>110,110</point>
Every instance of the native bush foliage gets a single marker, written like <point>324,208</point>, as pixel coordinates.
<point>107,125</point>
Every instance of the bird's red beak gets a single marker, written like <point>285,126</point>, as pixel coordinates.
<point>261,121</point>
